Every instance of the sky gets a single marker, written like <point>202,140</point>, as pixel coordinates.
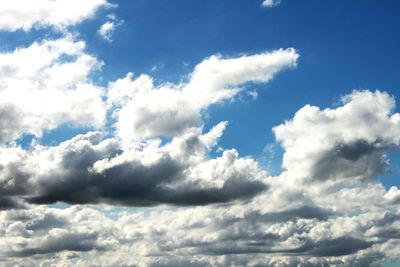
<point>199,133</point>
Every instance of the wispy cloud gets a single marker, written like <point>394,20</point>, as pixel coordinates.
<point>107,30</point>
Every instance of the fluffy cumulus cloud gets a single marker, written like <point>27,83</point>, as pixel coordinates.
<point>58,14</point>
<point>146,186</point>
<point>343,143</point>
<point>55,88</point>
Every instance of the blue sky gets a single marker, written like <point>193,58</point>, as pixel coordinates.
<point>219,117</point>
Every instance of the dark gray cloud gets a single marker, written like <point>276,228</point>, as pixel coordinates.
<point>65,242</point>
<point>48,221</point>
<point>9,203</point>
<point>356,159</point>
<point>70,178</point>
<point>137,185</point>
<point>232,189</point>
<point>303,212</point>
<point>335,247</point>
<point>324,248</point>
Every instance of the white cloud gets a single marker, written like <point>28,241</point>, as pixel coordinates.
<point>270,3</point>
<point>48,91</point>
<point>169,109</point>
<point>26,14</point>
<point>345,142</point>
<point>107,30</point>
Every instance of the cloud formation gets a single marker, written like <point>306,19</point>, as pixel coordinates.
<point>55,86</point>
<point>135,167</point>
<point>303,219</point>
<point>87,169</point>
<point>346,142</point>
<point>295,218</point>
<point>107,29</point>
<point>144,112</point>
<point>270,3</point>
<point>58,14</point>
<point>146,186</point>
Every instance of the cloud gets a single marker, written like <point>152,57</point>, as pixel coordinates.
<point>8,203</point>
<point>88,169</point>
<point>58,14</point>
<point>135,167</point>
<point>108,28</point>
<point>270,3</point>
<point>55,86</point>
<point>199,235</point>
<point>346,142</point>
<point>145,113</point>
<point>41,231</point>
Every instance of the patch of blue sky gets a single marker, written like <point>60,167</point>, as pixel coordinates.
<point>9,41</point>
<point>62,133</point>
<point>59,205</point>
<point>391,177</point>
<point>52,137</point>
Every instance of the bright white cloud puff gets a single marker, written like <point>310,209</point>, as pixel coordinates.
<point>270,3</point>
